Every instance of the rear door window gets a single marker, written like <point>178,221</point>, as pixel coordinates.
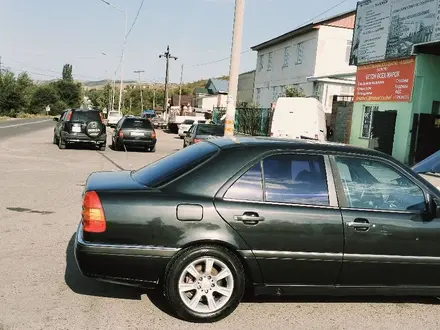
<point>207,129</point>
<point>172,166</point>
<point>85,116</point>
<point>137,123</point>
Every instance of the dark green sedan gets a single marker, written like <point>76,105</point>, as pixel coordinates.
<point>276,217</point>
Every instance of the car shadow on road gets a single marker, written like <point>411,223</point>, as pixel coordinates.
<point>80,284</point>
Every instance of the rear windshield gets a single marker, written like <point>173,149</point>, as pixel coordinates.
<point>172,166</point>
<point>85,116</point>
<point>216,130</point>
<point>136,123</point>
<point>188,122</point>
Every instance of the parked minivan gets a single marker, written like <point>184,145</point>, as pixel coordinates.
<point>299,118</point>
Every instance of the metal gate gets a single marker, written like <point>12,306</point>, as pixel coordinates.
<point>382,131</point>
<point>425,139</point>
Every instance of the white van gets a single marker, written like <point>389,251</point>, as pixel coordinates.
<point>299,118</point>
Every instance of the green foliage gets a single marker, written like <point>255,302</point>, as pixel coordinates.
<point>67,72</point>
<point>20,95</point>
<point>295,91</point>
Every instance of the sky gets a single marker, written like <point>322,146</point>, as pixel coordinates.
<point>40,36</point>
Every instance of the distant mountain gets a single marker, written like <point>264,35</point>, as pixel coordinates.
<point>96,83</point>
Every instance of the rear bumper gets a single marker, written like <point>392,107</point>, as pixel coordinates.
<point>83,138</point>
<point>138,143</point>
<point>123,264</point>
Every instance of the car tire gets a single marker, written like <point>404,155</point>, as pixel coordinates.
<point>54,140</point>
<point>224,295</point>
<point>152,149</point>
<point>102,148</point>
<point>61,143</point>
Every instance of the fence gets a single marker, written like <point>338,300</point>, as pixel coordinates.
<point>248,121</point>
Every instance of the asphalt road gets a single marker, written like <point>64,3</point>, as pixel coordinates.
<point>41,287</point>
<point>16,127</point>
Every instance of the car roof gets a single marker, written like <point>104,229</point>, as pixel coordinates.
<point>278,143</point>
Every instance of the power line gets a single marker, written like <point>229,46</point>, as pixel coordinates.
<point>135,19</point>
<point>249,50</point>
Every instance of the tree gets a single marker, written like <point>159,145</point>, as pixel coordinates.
<point>44,95</point>
<point>295,91</point>
<point>67,72</point>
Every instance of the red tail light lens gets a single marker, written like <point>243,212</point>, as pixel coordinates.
<point>93,218</point>
<point>69,115</point>
<point>271,133</point>
<point>198,140</point>
<point>153,135</point>
<point>121,134</point>
<point>102,119</point>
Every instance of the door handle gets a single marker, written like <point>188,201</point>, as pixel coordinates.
<point>249,217</point>
<point>360,224</point>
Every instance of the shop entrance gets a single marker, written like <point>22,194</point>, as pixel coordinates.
<point>425,138</point>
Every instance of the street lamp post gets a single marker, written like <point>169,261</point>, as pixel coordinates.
<point>123,52</point>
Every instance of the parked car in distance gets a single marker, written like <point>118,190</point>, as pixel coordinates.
<point>135,132</point>
<point>80,126</point>
<point>159,122</point>
<point>113,118</point>
<point>284,217</point>
<point>201,132</point>
<point>187,123</point>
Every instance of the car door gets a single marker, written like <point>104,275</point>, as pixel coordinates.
<point>389,241</point>
<point>190,135</point>
<point>60,123</point>
<point>285,208</point>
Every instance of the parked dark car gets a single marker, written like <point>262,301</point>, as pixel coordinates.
<point>134,132</point>
<point>283,217</point>
<point>201,132</point>
<point>80,126</point>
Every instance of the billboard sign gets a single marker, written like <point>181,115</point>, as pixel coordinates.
<point>385,82</point>
<point>388,29</point>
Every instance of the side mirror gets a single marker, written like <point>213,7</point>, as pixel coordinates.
<point>56,119</point>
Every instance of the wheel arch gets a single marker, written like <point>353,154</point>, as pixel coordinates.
<point>250,266</point>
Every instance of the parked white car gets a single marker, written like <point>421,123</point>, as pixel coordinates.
<point>186,125</point>
<point>113,118</point>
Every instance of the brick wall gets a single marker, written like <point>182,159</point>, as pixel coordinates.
<point>340,120</point>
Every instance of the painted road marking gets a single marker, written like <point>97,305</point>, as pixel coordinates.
<point>22,124</point>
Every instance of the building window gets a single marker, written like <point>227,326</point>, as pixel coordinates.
<point>348,51</point>
<point>299,53</point>
<point>367,120</point>
<point>286,56</point>
<point>261,62</point>
<point>269,62</point>
<point>257,99</point>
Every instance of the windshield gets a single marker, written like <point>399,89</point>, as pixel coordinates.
<point>85,116</point>
<point>216,130</point>
<point>172,166</point>
<point>188,122</point>
<point>136,123</point>
<point>428,165</point>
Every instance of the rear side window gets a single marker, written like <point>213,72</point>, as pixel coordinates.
<point>172,166</point>
<point>207,129</point>
<point>85,116</point>
<point>136,123</point>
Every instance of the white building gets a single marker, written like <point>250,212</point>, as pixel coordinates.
<point>245,90</point>
<point>313,57</point>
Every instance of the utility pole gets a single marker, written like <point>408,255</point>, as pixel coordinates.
<point>180,88</point>
<point>142,98</point>
<point>234,67</point>
<point>167,56</point>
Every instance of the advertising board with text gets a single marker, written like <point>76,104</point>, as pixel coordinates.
<point>385,82</point>
<point>388,29</point>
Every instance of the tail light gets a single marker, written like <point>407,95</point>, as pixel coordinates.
<point>102,119</point>
<point>153,135</point>
<point>121,134</point>
<point>271,133</point>
<point>93,218</point>
<point>198,140</point>
<point>69,115</point>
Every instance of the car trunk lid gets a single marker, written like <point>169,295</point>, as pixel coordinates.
<point>104,181</point>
